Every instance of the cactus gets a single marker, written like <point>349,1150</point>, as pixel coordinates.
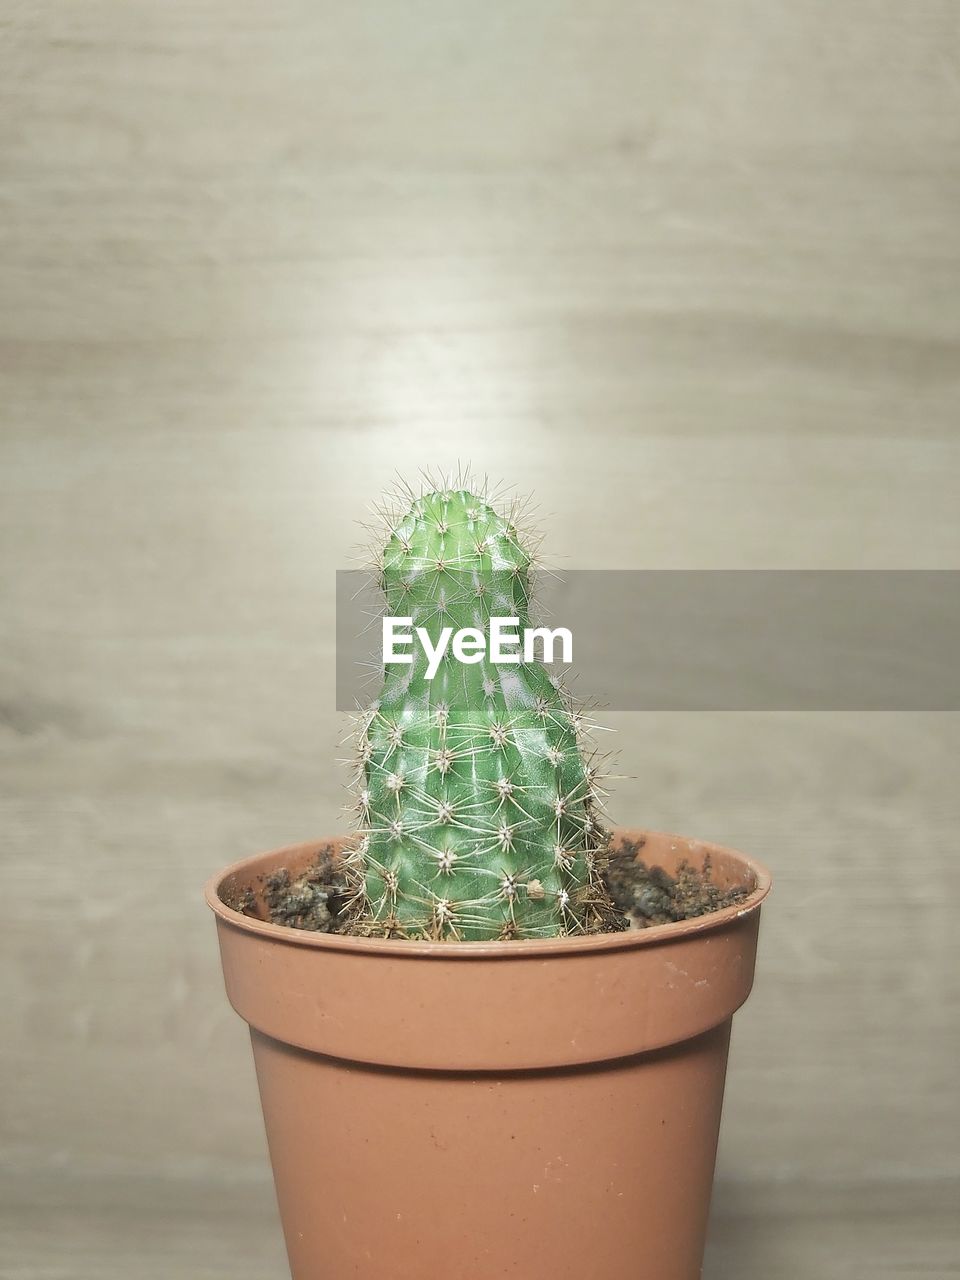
<point>477,809</point>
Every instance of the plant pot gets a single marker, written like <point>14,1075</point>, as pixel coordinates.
<point>474,1110</point>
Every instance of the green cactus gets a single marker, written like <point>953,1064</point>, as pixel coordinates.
<point>477,810</point>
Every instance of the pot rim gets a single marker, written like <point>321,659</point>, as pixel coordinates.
<point>517,948</point>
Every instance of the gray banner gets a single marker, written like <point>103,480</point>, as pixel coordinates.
<point>686,640</point>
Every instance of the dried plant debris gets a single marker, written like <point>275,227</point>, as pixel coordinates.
<point>311,900</point>
<point>319,898</point>
<point>648,895</point>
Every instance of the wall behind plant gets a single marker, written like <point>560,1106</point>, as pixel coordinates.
<point>688,274</point>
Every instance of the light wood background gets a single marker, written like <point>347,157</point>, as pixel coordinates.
<point>687,273</point>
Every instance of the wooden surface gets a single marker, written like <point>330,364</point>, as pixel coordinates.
<point>689,275</point>
<point>171,1229</point>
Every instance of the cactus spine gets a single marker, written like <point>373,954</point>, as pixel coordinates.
<point>476,807</point>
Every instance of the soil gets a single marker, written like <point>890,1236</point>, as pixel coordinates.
<point>313,900</point>
<point>649,895</point>
<point>637,896</point>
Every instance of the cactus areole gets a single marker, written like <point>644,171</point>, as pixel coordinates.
<point>477,808</point>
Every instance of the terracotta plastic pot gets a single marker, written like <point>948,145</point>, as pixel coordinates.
<point>475,1111</point>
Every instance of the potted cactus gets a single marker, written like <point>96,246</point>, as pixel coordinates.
<point>494,1042</point>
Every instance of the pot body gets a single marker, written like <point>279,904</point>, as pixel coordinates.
<point>481,1110</point>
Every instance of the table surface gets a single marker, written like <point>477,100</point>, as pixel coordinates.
<point>57,1228</point>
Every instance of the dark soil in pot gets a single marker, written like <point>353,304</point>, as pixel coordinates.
<point>642,895</point>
